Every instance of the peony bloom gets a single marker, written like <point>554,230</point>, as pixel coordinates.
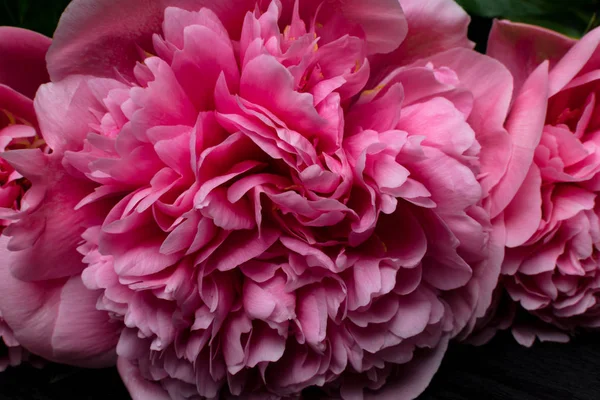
<point>22,70</point>
<point>276,195</point>
<point>552,225</point>
<point>52,314</point>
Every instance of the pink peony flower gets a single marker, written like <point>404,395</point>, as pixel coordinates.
<point>22,70</point>
<point>52,311</point>
<point>276,195</point>
<point>552,224</point>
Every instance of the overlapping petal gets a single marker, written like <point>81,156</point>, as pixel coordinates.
<point>552,222</point>
<point>261,204</point>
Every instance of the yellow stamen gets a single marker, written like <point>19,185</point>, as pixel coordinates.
<point>11,118</point>
<point>375,90</point>
<point>37,143</point>
<point>293,187</point>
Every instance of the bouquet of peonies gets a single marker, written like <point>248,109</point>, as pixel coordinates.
<point>242,199</point>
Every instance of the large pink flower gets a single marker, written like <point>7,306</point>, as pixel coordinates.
<point>22,70</point>
<point>552,224</point>
<point>277,195</point>
<point>50,314</point>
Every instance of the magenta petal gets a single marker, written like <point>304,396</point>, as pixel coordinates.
<point>522,48</point>
<point>382,21</point>
<point>52,252</point>
<point>23,61</point>
<point>294,108</point>
<point>17,104</point>
<point>100,37</point>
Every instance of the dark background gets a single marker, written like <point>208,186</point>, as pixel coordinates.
<point>500,370</point>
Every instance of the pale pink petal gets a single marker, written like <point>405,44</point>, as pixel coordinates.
<point>523,215</point>
<point>525,124</point>
<point>433,27</point>
<point>139,388</point>
<point>65,127</point>
<point>58,319</point>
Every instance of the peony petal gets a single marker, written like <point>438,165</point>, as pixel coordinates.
<point>525,124</point>
<point>522,48</point>
<point>488,80</point>
<point>80,329</point>
<point>23,61</point>
<point>42,315</point>
<point>194,61</point>
<point>52,252</point>
<point>17,104</point>
<point>575,61</point>
<point>101,37</point>
<point>433,27</point>
<point>64,122</point>
<point>415,375</point>
<point>383,22</point>
<point>413,315</point>
<point>138,387</point>
<point>280,97</point>
<point>434,119</point>
<point>523,215</point>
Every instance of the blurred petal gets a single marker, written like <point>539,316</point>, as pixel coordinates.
<point>23,60</point>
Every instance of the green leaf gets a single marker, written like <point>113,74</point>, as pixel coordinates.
<point>23,8</point>
<point>495,8</point>
<point>570,17</point>
<point>38,15</point>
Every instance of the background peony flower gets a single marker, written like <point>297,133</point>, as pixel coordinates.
<point>552,224</point>
<point>51,314</point>
<point>22,70</point>
<point>276,195</point>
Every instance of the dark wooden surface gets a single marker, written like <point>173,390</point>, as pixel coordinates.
<point>500,370</point>
<point>503,370</point>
